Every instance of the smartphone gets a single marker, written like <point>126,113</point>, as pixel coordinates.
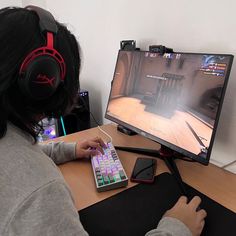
<point>144,170</point>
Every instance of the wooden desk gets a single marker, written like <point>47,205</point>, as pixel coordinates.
<point>216,183</point>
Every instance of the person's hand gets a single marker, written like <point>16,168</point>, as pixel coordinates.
<point>89,148</point>
<point>188,214</point>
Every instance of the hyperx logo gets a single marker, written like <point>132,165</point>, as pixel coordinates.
<point>43,79</point>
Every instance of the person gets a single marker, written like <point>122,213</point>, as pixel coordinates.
<point>39,77</point>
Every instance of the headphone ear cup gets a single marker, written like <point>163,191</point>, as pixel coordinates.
<point>41,78</point>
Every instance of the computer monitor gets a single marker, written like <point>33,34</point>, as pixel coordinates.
<point>174,99</point>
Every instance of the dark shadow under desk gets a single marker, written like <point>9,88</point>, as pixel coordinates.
<point>137,210</point>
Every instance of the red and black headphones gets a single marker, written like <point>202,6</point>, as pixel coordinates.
<point>43,69</point>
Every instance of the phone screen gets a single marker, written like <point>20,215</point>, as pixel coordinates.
<point>144,170</point>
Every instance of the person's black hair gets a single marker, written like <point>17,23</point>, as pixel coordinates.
<point>19,35</point>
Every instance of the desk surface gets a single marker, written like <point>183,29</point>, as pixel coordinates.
<point>216,183</point>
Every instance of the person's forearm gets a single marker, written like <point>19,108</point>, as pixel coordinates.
<point>169,226</point>
<point>59,152</point>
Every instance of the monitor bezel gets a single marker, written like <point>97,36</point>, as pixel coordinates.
<point>202,160</point>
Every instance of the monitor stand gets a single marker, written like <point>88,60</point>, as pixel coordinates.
<point>164,153</point>
<point>125,130</point>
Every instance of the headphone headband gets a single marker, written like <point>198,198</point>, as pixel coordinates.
<point>46,19</point>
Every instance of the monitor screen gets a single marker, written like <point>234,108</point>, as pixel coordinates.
<point>174,99</point>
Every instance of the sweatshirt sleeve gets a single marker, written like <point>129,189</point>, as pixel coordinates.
<point>47,211</point>
<point>59,152</point>
<point>169,226</point>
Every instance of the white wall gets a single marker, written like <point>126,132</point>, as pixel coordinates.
<point>22,3</point>
<point>40,3</point>
<point>7,3</point>
<point>188,26</point>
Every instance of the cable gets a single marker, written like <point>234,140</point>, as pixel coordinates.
<point>87,109</point>
<point>98,125</point>
<point>229,164</point>
<point>105,134</point>
<point>94,118</point>
<point>63,126</point>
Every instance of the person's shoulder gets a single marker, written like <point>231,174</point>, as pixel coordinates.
<point>50,209</point>
<point>24,168</point>
<point>20,155</point>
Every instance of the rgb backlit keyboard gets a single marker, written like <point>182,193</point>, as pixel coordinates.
<point>108,170</point>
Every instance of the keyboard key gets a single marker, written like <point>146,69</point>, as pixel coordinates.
<point>99,177</point>
<point>122,174</point>
<point>100,182</point>
<point>117,177</point>
<point>111,178</point>
<point>106,180</point>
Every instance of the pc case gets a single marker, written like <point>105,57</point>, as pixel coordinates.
<point>79,118</point>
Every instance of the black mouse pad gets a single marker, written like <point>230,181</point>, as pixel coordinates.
<point>137,210</point>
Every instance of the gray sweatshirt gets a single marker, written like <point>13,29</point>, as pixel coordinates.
<point>34,198</point>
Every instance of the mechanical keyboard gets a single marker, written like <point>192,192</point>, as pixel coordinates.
<point>108,170</point>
